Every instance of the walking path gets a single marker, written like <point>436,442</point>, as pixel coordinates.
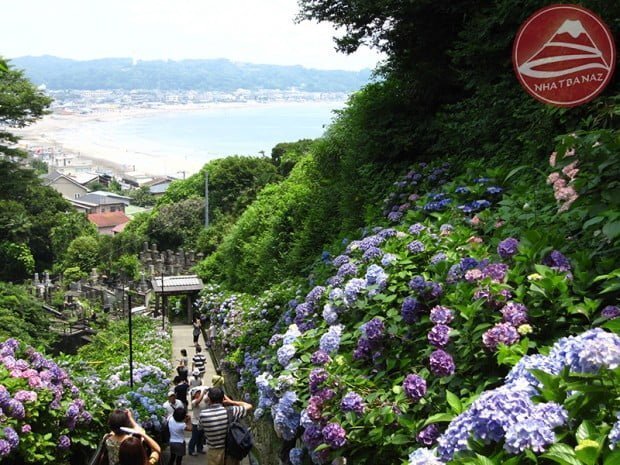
<point>182,339</point>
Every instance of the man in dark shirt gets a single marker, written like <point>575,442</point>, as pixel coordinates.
<point>214,421</point>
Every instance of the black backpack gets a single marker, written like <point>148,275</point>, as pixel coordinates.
<point>239,440</point>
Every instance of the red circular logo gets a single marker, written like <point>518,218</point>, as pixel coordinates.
<point>564,55</point>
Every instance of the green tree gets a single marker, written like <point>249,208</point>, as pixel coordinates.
<point>83,252</point>
<point>177,224</point>
<point>22,314</point>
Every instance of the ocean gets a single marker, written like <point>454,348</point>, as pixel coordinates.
<point>189,139</point>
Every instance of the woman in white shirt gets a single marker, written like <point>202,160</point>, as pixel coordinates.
<point>178,424</point>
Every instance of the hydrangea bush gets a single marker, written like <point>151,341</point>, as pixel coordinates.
<point>102,370</point>
<point>406,326</point>
<point>43,414</point>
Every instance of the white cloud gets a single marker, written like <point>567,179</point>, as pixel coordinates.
<point>259,31</point>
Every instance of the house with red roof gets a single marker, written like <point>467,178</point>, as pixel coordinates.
<point>109,223</point>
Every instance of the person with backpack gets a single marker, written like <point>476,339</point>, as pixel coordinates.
<point>216,420</point>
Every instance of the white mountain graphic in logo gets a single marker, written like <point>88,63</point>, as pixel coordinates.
<point>570,49</point>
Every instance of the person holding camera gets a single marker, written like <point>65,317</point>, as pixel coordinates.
<point>197,440</point>
<point>133,452</point>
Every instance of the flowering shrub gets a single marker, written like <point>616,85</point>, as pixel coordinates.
<point>406,325</point>
<point>42,412</point>
<point>102,370</point>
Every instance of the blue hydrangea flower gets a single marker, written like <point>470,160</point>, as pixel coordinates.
<point>416,247</point>
<point>353,289</point>
<point>330,341</point>
<point>388,259</point>
<point>423,456</point>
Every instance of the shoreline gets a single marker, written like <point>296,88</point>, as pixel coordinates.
<point>73,134</point>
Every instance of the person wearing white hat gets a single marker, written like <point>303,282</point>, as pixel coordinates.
<point>172,404</point>
<point>196,379</point>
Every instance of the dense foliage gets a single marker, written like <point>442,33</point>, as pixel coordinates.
<point>21,314</point>
<point>411,323</point>
<point>28,210</point>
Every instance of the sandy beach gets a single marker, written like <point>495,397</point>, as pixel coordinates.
<point>78,134</point>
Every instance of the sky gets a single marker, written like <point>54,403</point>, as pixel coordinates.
<point>254,31</point>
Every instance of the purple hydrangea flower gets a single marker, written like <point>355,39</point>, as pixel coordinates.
<point>439,335</point>
<point>319,357</point>
<point>432,291</point>
<point>312,436</point>
<point>507,248</point>
<point>371,253</point>
<point>347,269</point>
<point>495,271</point>
<point>557,261</point>
<point>437,258</point>
<point>441,315</point>
<point>610,312</point>
<point>417,284</point>
<point>455,273</point>
<point>340,260</point>
<point>410,310</point>
<point>363,349</point>
<point>414,387</point>
<point>334,435</point>
<point>468,263</point>
<point>26,428</point>
<point>15,409</point>
<point>376,276</point>
<point>416,229</point>
<point>11,436</point>
<point>352,402</point>
<point>441,363</point>
<point>5,448</point>
<point>315,295</point>
<point>428,436</point>
<point>416,247</point>
<point>514,313</point>
<point>394,217</point>
<point>501,333</point>
<point>64,442</point>
<point>373,330</point>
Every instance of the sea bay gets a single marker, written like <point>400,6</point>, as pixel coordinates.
<point>183,139</point>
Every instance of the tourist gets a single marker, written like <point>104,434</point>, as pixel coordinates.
<point>182,368</point>
<point>211,334</point>
<point>199,361</point>
<point>196,380</point>
<point>172,404</point>
<point>117,420</point>
<point>133,452</point>
<point>214,421</point>
<point>196,325</point>
<point>197,440</point>
<point>180,389</point>
<point>218,379</point>
<point>177,425</point>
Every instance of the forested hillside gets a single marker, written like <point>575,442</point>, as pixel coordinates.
<point>207,75</point>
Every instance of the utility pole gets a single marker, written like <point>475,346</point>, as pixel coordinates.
<point>130,341</point>
<point>206,199</point>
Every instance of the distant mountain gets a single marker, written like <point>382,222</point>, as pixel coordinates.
<point>209,75</point>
